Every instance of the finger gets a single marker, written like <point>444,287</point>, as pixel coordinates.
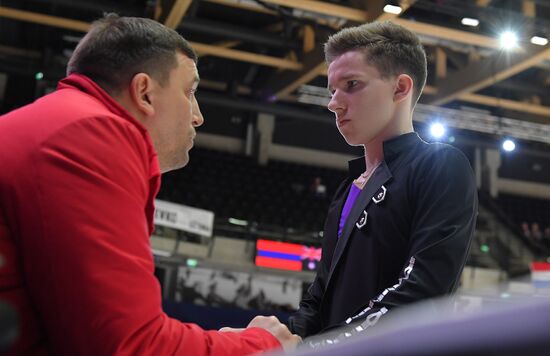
<point>230,330</point>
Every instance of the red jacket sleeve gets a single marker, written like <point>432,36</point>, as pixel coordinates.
<point>88,263</point>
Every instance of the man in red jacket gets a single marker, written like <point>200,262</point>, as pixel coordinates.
<point>80,170</point>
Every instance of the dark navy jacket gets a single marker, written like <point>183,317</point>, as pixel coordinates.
<point>406,238</point>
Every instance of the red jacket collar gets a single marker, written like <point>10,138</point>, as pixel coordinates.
<point>88,86</point>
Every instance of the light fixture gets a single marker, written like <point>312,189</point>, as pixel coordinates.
<point>392,9</point>
<point>437,130</point>
<point>238,222</point>
<point>39,76</point>
<point>539,41</point>
<point>468,21</point>
<point>191,262</point>
<point>508,145</point>
<point>508,40</point>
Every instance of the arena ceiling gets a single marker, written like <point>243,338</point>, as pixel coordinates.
<point>267,54</point>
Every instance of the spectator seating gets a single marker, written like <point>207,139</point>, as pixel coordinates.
<point>235,186</point>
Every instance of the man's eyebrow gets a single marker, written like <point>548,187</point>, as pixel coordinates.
<point>344,78</point>
<point>349,75</point>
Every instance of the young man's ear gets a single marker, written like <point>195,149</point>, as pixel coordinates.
<point>403,88</point>
<point>141,87</point>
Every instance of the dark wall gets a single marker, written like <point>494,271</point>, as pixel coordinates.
<point>312,135</point>
<point>526,167</point>
<point>231,123</point>
<point>20,91</point>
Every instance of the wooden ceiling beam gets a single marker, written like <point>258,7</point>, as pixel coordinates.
<point>178,10</point>
<point>528,7</point>
<point>440,63</point>
<point>463,94</point>
<point>506,104</point>
<point>20,52</point>
<point>282,84</point>
<point>483,3</point>
<point>42,19</point>
<point>199,47</point>
<point>478,75</point>
<point>359,15</point>
<point>206,49</point>
<point>429,90</point>
<point>448,34</point>
<point>471,98</point>
<point>323,8</point>
<point>243,5</point>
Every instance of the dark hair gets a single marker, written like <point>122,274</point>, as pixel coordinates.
<point>389,47</point>
<point>117,48</point>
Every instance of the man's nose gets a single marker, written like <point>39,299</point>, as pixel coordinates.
<point>198,119</point>
<point>336,104</point>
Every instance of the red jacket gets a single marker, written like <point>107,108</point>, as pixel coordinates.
<point>78,175</point>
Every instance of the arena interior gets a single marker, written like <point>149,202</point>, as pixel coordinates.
<point>239,230</point>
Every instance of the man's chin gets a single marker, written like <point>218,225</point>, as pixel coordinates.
<point>178,163</point>
<point>184,162</point>
<point>352,141</point>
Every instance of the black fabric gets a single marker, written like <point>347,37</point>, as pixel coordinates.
<point>413,245</point>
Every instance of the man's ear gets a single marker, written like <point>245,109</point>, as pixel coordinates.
<point>404,87</point>
<point>141,87</point>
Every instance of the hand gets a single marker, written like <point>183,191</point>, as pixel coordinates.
<point>276,328</point>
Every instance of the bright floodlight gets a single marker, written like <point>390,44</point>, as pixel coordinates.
<point>539,41</point>
<point>437,130</point>
<point>392,9</point>
<point>468,21</point>
<point>508,145</point>
<point>508,40</point>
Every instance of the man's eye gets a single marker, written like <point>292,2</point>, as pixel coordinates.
<point>352,83</point>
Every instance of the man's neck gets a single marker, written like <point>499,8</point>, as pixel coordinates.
<point>400,124</point>
<point>374,155</point>
<point>374,150</point>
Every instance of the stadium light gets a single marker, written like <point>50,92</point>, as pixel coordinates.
<point>392,9</point>
<point>539,41</point>
<point>468,21</point>
<point>508,40</point>
<point>191,262</point>
<point>508,145</point>
<point>238,222</point>
<point>437,130</point>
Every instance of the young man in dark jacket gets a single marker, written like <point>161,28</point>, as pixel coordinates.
<point>399,228</point>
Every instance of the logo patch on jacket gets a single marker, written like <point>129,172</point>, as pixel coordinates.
<point>380,195</point>
<point>362,220</point>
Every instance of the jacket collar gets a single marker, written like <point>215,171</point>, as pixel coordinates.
<point>392,148</point>
<point>88,86</point>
